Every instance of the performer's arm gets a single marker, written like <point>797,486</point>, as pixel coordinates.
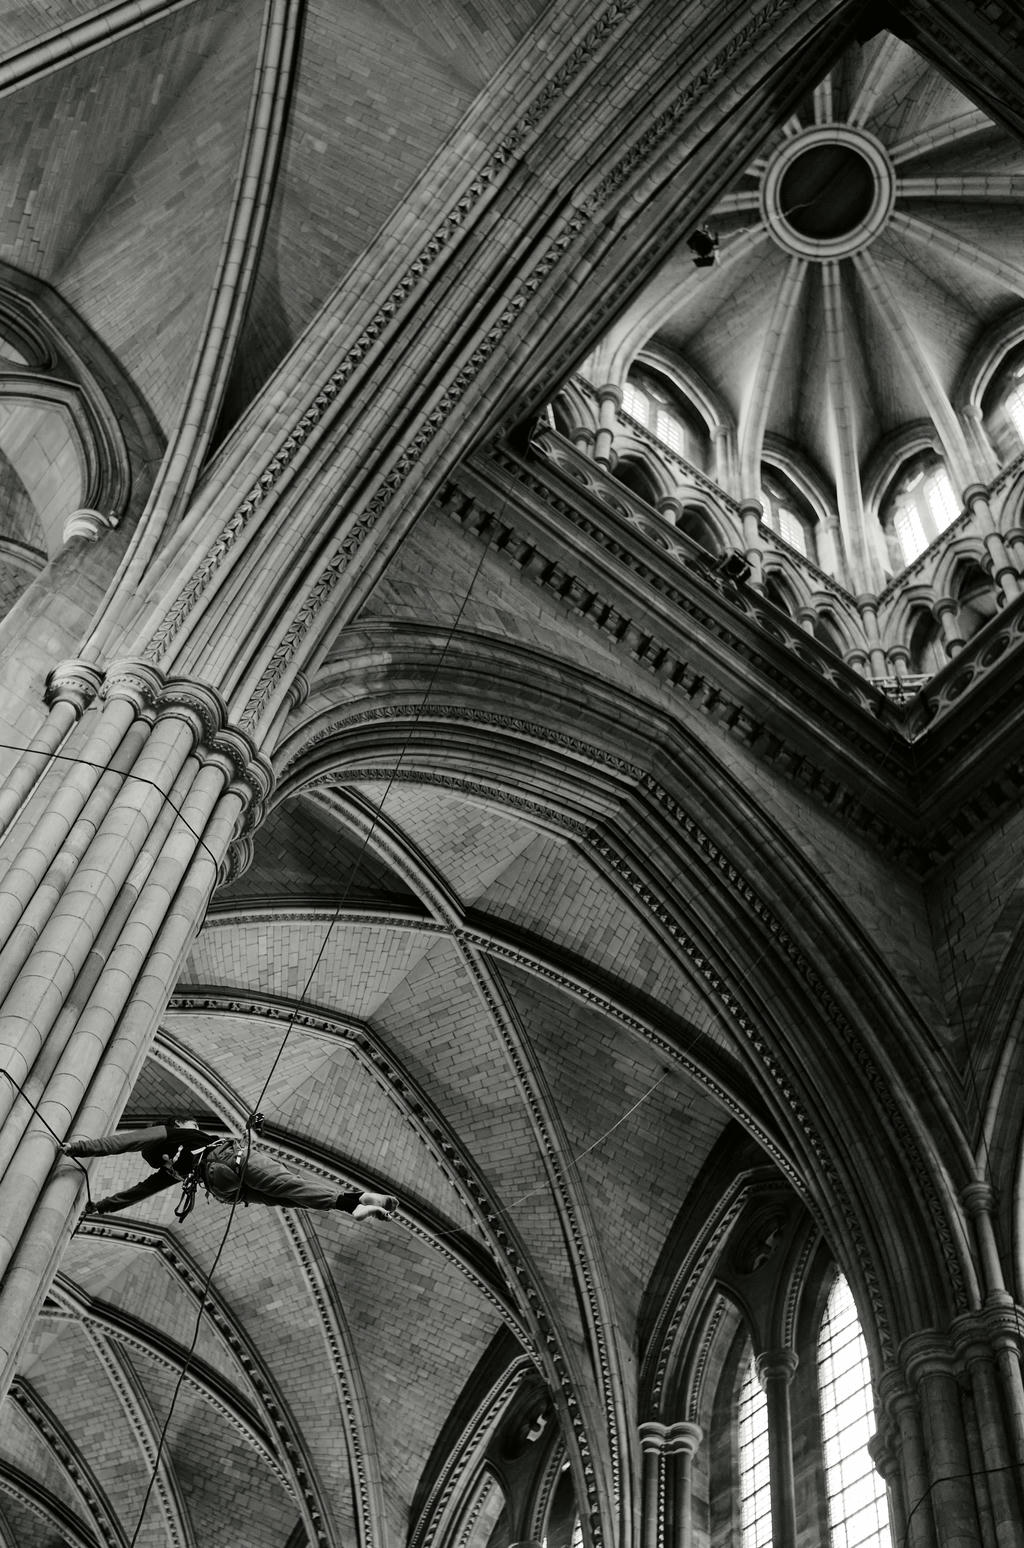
<point>117,1144</point>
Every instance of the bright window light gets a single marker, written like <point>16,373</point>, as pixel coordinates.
<point>942,502</point>
<point>634,403</point>
<point>1015,409</point>
<point>669,430</point>
<point>755,1478</point>
<point>791,530</point>
<point>910,532</point>
<point>856,1494</point>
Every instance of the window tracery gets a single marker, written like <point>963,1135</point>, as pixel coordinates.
<point>858,1515</point>
<point>754,1470</point>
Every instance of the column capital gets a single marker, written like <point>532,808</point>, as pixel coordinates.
<point>973,493</point>
<point>202,708</point>
<point>611,392</point>
<point>751,507</point>
<point>776,1365</point>
<point>926,1354</point>
<point>86,523</point>
<point>652,1436</point>
<point>683,1438</point>
<point>73,682</point>
<point>977,1198</point>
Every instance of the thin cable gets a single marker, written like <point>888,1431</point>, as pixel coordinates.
<point>377,813</point>
<point>108,768</point>
<point>978,1472</point>
<point>277,1057</point>
<point>575,1161</point>
<point>24,1094</point>
<point>188,1359</point>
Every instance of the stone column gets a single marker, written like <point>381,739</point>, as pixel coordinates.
<point>681,1442</point>
<point>932,1374</point>
<point>753,548</point>
<point>775,1370</point>
<point>899,660</point>
<point>670,508</point>
<point>994,1460</point>
<point>867,606</point>
<point>652,1451</point>
<point>977,440</point>
<point>911,1480</point>
<point>70,689</point>
<point>105,886</point>
<point>610,400</point>
<point>1004,572</point>
<point>945,610</point>
<point>887,1464</point>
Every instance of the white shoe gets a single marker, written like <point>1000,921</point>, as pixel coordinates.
<point>375,1206</point>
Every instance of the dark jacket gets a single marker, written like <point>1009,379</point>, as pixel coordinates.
<point>173,1153</point>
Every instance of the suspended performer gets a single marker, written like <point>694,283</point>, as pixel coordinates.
<point>230,1169</point>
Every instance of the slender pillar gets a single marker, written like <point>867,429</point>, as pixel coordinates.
<point>945,610</point>
<point>652,1452</point>
<point>113,879</point>
<point>887,1463</point>
<point>1004,572</point>
<point>753,547</point>
<point>775,1370</point>
<point>867,606</point>
<point>907,1440</point>
<point>932,1373</point>
<point>610,400</point>
<point>681,1442</point>
<point>994,1460</point>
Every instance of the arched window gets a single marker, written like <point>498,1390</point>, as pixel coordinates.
<point>786,514</point>
<point>857,1512</point>
<point>655,404</point>
<point>755,1476</point>
<point>920,505</point>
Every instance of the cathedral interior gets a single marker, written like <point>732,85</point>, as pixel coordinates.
<point>512,624</point>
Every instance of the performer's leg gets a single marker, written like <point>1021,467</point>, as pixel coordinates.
<point>267,1182</point>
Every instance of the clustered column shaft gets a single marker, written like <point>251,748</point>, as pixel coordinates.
<point>106,867</point>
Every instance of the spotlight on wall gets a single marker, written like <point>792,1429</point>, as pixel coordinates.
<point>703,243</point>
<point>733,567</point>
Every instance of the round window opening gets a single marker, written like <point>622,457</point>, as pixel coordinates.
<point>827,192</point>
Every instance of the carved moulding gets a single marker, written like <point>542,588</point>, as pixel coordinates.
<point>487,176</point>
<point>45,1421</point>
<point>533,1329</point>
<point>296,1471</point>
<point>75,1304</point>
<point>694,837</point>
<point>353,1404</point>
<point>580,218</point>
<point>434,1520</point>
<point>571,1210</point>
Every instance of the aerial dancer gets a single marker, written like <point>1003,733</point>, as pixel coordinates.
<point>232,1170</point>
